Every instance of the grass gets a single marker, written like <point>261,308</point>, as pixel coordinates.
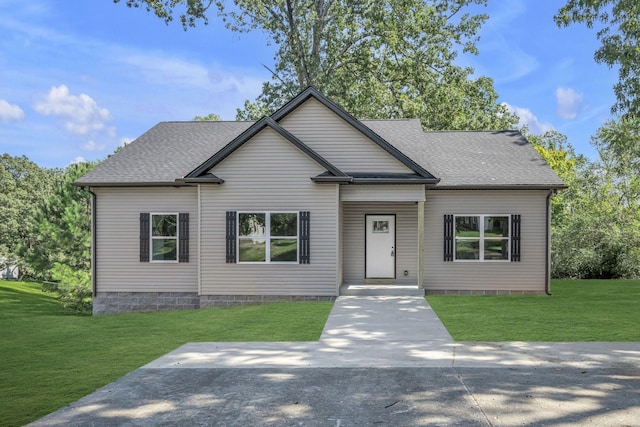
<point>50,358</point>
<point>577,310</point>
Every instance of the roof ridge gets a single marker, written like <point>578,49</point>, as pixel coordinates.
<point>207,121</point>
<point>469,131</point>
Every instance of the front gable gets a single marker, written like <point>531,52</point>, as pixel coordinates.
<point>326,134</point>
<point>266,126</point>
<point>267,159</point>
<point>339,142</point>
<point>343,140</point>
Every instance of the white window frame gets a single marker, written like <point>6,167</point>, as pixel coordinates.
<point>268,236</point>
<point>152,238</point>
<point>481,238</point>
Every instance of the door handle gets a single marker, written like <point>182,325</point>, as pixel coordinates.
<point>393,252</point>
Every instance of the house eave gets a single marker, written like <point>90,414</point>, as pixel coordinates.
<point>130,184</point>
<point>332,179</point>
<point>502,187</point>
<point>208,180</point>
<point>392,181</point>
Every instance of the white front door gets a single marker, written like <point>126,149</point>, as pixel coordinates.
<point>380,246</point>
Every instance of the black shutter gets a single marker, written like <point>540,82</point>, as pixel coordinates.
<point>305,256</point>
<point>183,236</point>
<point>448,237</point>
<point>144,237</point>
<point>231,237</point>
<point>515,238</point>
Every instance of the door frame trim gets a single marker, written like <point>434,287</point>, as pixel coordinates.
<point>395,246</point>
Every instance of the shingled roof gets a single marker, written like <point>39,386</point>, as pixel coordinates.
<point>171,151</point>
<point>166,152</point>
<point>470,159</point>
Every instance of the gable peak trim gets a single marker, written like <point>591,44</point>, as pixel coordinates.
<point>245,136</point>
<point>311,92</point>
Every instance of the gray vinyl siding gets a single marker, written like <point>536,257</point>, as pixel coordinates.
<point>268,173</point>
<point>381,193</point>
<point>339,142</point>
<point>353,253</point>
<point>118,224</point>
<point>526,275</point>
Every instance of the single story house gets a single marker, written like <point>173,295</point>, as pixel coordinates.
<point>308,200</point>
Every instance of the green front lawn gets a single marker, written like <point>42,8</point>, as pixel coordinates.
<point>49,358</point>
<point>577,310</point>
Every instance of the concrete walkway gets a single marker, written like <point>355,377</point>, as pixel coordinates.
<point>381,360</point>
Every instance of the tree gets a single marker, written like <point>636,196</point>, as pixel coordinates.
<point>194,10</point>
<point>555,149</point>
<point>377,59</point>
<point>212,117</point>
<point>618,23</point>
<point>23,185</point>
<point>596,221</point>
<point>60,248</point>
<point>618,194</point>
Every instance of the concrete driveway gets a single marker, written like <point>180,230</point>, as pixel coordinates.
<point>381,361</point>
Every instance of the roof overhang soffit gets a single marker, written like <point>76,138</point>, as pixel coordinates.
<point>375,178</point>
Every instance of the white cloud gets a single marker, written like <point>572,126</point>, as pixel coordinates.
<point>528,118</point>
<point>78,159</point>
<point>568,103</point>
<point>10,112</point>
<point>81,114</point>
<point>163,69</point>
<point>92,146</point>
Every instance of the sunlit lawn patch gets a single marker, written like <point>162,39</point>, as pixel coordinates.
<point>577,310</point>
<point>50,358</point>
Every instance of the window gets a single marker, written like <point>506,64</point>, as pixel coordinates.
<point>268,237</point>
<point>482,237</point>
<point>164,237</point>
<point>159,236</point>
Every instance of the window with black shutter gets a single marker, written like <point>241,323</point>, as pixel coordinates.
<point>484,238</point>
<point>164,237</point>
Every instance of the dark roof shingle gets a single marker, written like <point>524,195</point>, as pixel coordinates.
<point>167,151</point>
<point>171,150</point>
<point>470,158</point>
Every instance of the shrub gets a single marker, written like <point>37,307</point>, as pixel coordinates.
<point>74,288</point>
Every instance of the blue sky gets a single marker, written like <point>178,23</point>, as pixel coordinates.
<point>78,77</point>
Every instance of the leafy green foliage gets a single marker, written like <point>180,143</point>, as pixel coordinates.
<point>391,59</point>
<point>194,10</point>
<point>554,148</point>
<point>50,358</point>
<point>74,288</point>
<point>377,59</point>
<point>596,221</point>
<point>23,186</point>
<point>618,23</point>
<point>60,247</point>
<point>211,117</point>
